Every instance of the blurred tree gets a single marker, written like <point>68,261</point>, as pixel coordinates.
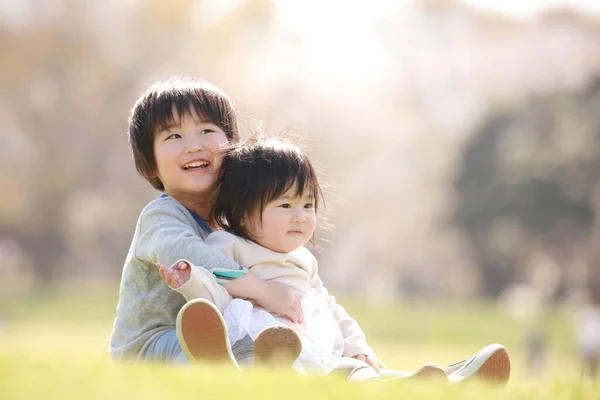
<point>528,176</point>
<point>64,96</point>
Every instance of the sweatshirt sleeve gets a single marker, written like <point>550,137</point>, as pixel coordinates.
<point>229,245</point>
<point>166,235</point>
<point>355,342</point>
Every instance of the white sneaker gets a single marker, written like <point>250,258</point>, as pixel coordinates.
<point>491,364</point>
<point>202,333</point>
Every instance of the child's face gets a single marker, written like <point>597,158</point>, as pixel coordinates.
<point>188,156</point>
<point>287,223</point>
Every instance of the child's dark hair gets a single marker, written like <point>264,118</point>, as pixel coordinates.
<point>153,112</point>
<point>257,172</point>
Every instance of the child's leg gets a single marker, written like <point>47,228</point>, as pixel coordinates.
<point>238,318</point>
<point>269,342</point>
<point>165,349</point>
<point>427,371</point>
<point>359,371</point>
<point>354,370</point>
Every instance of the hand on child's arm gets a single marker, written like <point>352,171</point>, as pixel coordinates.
<point>275,297</point>
<point>175,276</point>
<point>376,365</point>
<point>281,299</point>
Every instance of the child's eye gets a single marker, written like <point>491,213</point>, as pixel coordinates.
<point>308,205</point>
<point>286,205</point>
<point>174,136</point>
<point>206,131</point>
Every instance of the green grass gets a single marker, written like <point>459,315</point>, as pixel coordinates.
<point>54,346</point>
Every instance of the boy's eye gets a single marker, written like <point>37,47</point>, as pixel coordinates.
<point>308,205</point>
<point>286,205</point>
<point>206,131</point>
<point>174,136</point>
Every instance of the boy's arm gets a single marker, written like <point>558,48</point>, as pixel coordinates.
<point>166,236</point>
<point>273,296</point>
<point>355,342</point>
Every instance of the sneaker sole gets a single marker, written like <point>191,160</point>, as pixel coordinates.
<point>495,369</point>
<point>202,334</point>
<point>277,345</point>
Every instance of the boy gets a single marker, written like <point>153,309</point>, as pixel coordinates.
<point>177,131</point>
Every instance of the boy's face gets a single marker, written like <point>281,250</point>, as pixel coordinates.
<point>286,223</point>
<point>188,156</point>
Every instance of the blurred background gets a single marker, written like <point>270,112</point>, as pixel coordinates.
<point>459,140</point>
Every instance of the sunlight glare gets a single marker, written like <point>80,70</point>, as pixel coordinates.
<point>340,39</point>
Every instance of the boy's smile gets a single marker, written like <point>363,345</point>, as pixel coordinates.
<point>195,165</point>
<point>187,157</point>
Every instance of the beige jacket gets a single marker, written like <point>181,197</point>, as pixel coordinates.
<point>297,269</point>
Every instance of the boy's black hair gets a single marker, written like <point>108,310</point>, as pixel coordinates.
<point>257,172</point>
<point>153,112</point>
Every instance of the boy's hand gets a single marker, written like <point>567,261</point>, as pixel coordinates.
<point>280,299</point>
<point>373,363</point>
<point>175,276</point>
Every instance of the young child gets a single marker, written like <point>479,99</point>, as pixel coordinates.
<point>177,131</point>
<point>267,206</point>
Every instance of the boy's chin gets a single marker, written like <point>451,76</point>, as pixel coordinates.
<point>202,188</point>
<point>198,191</point>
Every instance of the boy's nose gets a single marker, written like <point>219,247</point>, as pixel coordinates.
<point>193,145</point>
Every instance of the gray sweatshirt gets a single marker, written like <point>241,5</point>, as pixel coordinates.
<point>167,232</point>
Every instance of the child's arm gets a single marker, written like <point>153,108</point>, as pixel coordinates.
<point>166,235</point>
<point>275,297</point>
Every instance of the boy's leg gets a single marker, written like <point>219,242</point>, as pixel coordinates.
<point>202,333</point>
<point>276,345</point>
<point>491,364</point>
<point>165,349</point>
